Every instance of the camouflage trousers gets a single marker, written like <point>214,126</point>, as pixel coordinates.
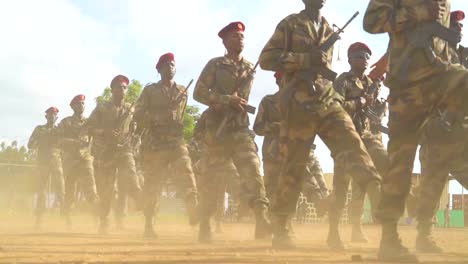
<point>79,174</point>
<point>115,166</point>
<point>50,172</point>
<point>217,177</point>
<point>121,201</point>
<point>410,107</point>
<point>313,187</point>
<point>341,180</point>
<point>334,126</point>
<point>437,161</point>
<point>161,164</point>
<point>241,149</point>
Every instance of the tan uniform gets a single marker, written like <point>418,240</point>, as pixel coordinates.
<point>352,88</point>
<point>113,155</point>
<point>218,81</point>
<point>49,161</point>
<point>306,114</point>
<point>77,161</point>
<point>159,111</point>
<point>420,79</point>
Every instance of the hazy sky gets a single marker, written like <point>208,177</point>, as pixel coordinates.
<point>55,49</point>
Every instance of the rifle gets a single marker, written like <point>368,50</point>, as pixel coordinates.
<point>421,37</point>
<point>310,75</point>
<point>185,93</point>
<point>248,108</point>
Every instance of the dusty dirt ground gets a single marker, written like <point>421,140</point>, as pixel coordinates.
<point>19,243</point>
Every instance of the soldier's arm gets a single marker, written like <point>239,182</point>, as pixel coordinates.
<point>386,16</point>
<point>93,122</point>
<point>274,58</point>
<point>205,91</point>
<point>33,139</point>
<point>341,86</point>
<point>263,125</point>
<point>140,108</point>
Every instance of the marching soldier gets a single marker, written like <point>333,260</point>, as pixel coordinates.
<point>77,159</point>
<point>160,112</point>
<point>309,106</point>
<point>421,77</point>
<point>110,123</point>
<point>224,85</point>
<point>44,140</point>
<point>267,124</point>
<point>360,93</point>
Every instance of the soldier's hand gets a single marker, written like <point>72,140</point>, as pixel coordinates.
<point>369,99</point>
<point>437,9</point>
<point>361,102</point>
<point>379,69</point>
<point>238,103</point>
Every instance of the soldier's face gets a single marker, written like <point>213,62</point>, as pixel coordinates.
<point>78,107</point>
<point>234,41</point>
<point>51,117</point>
<point>168,70</point>
<point>119,92</point>
<point>314,4</point>
<point>359,61</point>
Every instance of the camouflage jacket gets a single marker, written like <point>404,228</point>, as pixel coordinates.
<point>159,110</point>
<point>267,125</point>
<point>301,36</point>
<point>400,19</point>
<point>45,140</point>
<point>74,140</point>
<point>459,55</point>
<point>351,88</point>
<point>220,79</point>
<point>107,117</point>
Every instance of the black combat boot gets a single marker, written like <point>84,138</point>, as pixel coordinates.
<point>193,210</point>
<point>281,238</point>
<point>204,232</point>
<point>149,232</point>
<point>425,242</point>
<point>262,224</point>
<point>391,249</point>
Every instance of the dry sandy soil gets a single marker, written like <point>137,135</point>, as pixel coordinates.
<point>19,243</point>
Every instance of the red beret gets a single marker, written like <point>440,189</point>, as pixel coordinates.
<point>78,98</point>
<point>234,26</point>
<point>52,110</point>
<point>359,46</point>
<point>165,58</point>
<point>457,16</point>
<point>118,80</point>
<point>278,75</point>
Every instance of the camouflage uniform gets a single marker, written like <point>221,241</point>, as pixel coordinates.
<point>267,124</point>
<point>218,81</point>
<point>77,161</point>
<point>114,158</point>
<point>352,88</point>
<point>306,114</point>
<point>420,79</point>
<point>218,176</point>
<point>159,111</point>
<point>45,139</point>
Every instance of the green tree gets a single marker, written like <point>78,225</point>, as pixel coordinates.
<point>191,116</point>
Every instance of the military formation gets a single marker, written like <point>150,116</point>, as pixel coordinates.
<point>424,69</point>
